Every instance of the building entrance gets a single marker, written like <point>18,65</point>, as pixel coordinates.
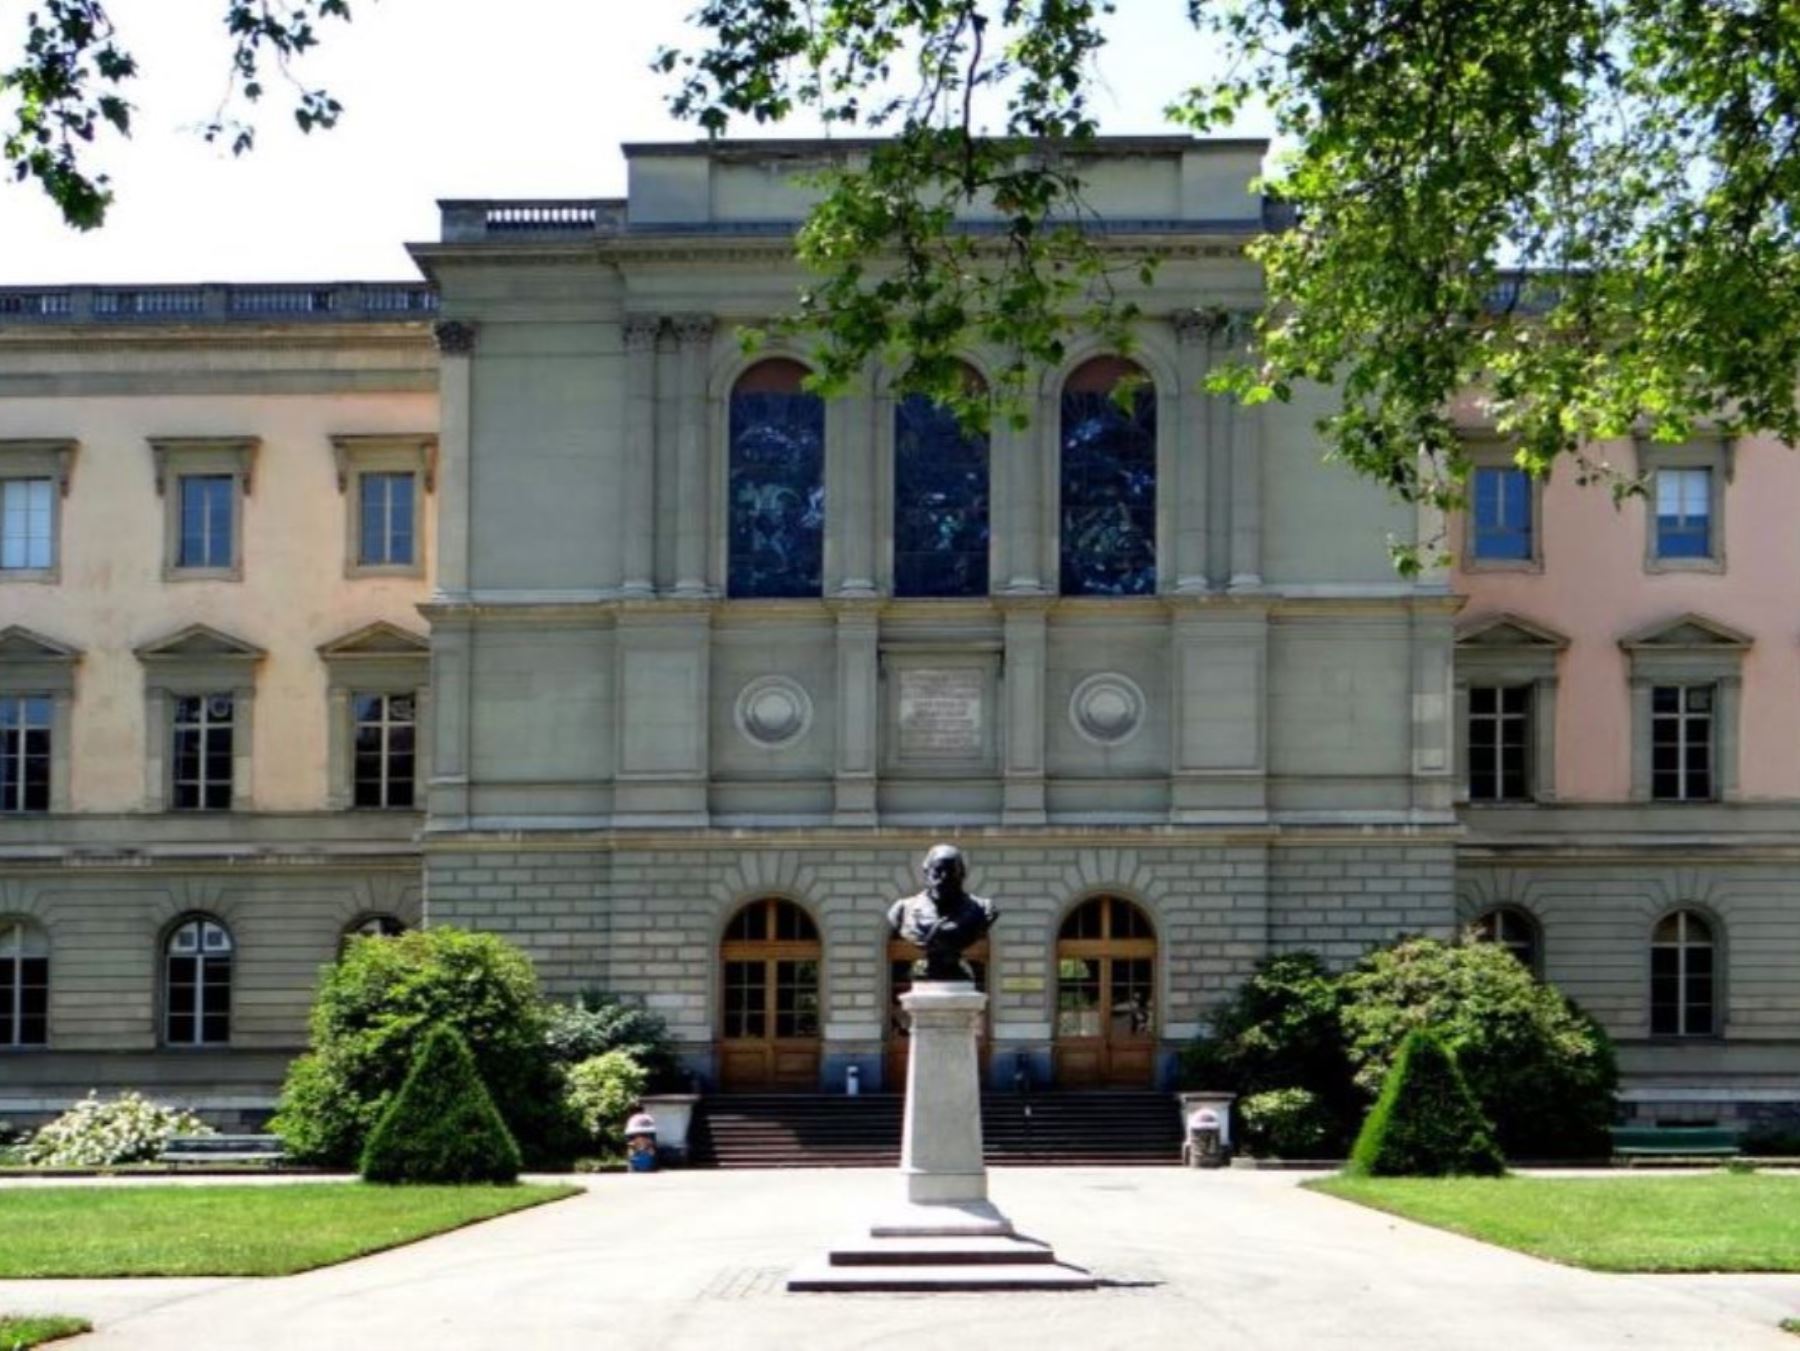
<point>1105,997</point>
<point>769,997</point>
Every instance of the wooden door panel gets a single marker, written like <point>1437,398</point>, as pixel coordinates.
<point>1079,1064</point>
<point>743,1064</point>
<point>1131,1064</point>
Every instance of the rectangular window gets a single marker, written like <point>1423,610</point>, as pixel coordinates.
<point>1684,513</point>
<point>386,506</point>
<point>1681,743</point>
<point>1681,991</point>
<point>25,753</point>
<point>1502,525</point>
<point>384,736</point>
<point>24,1000</point>
<point>207,501</point>
<point>27,524</point>
<point>1499,743</point>
<point>203,753</point>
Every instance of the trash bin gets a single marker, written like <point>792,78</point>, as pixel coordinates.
<point>640,1143</point>
<point>1205,1146</point>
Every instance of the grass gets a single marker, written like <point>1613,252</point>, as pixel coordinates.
<point>18,1331</point>
<point>1714,1222</point>
<point>231,1230</point>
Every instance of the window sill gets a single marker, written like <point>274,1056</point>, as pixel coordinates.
<point>1709,565</point>
<point>31,576</point>
<point>1526,565</point>
<point>180,574</point>
<point>358,571</point>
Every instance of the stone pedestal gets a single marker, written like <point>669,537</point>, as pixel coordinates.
<point>940,1147</point>
<point>944,1234</point>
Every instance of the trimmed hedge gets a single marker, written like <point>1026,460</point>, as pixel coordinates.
<point>1426,1123</point>
<point>443,1125</point>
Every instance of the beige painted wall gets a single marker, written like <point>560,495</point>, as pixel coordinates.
<point>293,596</point>
<point>1594,588</point>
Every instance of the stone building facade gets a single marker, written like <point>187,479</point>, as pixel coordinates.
<point>690,667</point>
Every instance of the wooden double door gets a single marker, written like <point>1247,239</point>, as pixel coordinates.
<point>901,958</point>
<point>769,999</point>
<point>1105,997</point>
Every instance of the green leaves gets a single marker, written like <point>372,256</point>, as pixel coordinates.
<point>1582,213</point>
<point>69,86</point>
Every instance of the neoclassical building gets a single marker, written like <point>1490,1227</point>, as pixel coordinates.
<point>530,600</point>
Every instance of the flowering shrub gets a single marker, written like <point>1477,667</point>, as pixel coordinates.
<point>96,1134</point>
<point>600,1095</point>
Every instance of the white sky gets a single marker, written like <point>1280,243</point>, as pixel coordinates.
<point>443,98</point>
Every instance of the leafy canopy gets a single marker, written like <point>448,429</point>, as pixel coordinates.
<point>69,85</point>
<point>1586,209</point>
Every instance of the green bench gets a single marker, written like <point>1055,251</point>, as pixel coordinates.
<point>1674,1142</point>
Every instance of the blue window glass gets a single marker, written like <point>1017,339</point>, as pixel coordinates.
<point>940,503</point>
<point>777,488</point>
<point>387,519</point>
<point>1502,513</point>
<point>1684,513</point>
<point>1108,484</point>
<point>206,504</point>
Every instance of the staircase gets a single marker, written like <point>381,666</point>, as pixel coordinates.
<point>818,1130</point>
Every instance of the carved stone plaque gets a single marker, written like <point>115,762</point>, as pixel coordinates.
<point>941,713</point>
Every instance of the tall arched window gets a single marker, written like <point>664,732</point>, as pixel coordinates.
<point>197,984</point>
<point>769,997</point>
<point>1108,481</point>
<point>1513,929</point>
<point>1105,995</point>
<point>940,501</point>
<point>24,985</point>
<point>372,925</point>
<point>776,492</point>
<point>1682,977</point>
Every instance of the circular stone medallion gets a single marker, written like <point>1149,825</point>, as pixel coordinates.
<point>773,711</point>
<point>1107,709</point>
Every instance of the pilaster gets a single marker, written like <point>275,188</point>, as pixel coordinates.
<point>1027,641</point>
<point>637,504</point>
<point>858,715</point>
<point>1031,460</point>
<point>851,525</point>
<point>452,663</point>
<point>456,351</point>
<point>1193,452</point>
<point>694,333</point>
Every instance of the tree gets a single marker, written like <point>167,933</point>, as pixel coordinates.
<point>442,1126</point>
<point>68,87</point>
<point>1587,209</point>
<point>1426,1123</point>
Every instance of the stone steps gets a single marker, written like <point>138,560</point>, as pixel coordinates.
<point>833,1130</point>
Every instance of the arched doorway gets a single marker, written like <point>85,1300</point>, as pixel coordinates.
<point>769,998</point>
<point>901,955</point>
<point>1105,996</point>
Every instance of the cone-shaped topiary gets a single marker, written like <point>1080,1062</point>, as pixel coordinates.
<point>442,1126</point>
<point>1426,1123</point>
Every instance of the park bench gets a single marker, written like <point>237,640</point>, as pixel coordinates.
<point>223,1149</point>
<point>1642,1142</point>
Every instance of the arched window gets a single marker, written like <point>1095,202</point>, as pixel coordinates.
<point>24,985</point>
<point>769,997</point>
<point>1108,481</point>
<point>940,501</point>
<point>197,984</point>
<point>1105,995</point>
<point>1682,977</point>
<point>777,489</point>
<point>374,926</point>
<point>1513,929</point>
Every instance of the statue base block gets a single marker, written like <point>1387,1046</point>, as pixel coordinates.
<point>945,1235</point>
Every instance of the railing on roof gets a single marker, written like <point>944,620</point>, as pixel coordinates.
<point>280,302</point>
<point>546,218</point>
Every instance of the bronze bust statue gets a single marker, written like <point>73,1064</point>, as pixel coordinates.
<point>943,919</point>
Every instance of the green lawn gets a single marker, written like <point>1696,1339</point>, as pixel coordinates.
<point>1715,1222</point>
<point>231,1230</point>
<point>18,1332</point>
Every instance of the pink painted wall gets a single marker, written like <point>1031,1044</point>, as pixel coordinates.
<point>1594,589</point>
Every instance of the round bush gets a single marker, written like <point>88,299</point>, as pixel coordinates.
<point>375,1006</point>
<point>97,1133</point>
<point>600,1095</point>
<point>1542,1071</point>
<point>597,1023</point>
<point>1287,1123</point>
